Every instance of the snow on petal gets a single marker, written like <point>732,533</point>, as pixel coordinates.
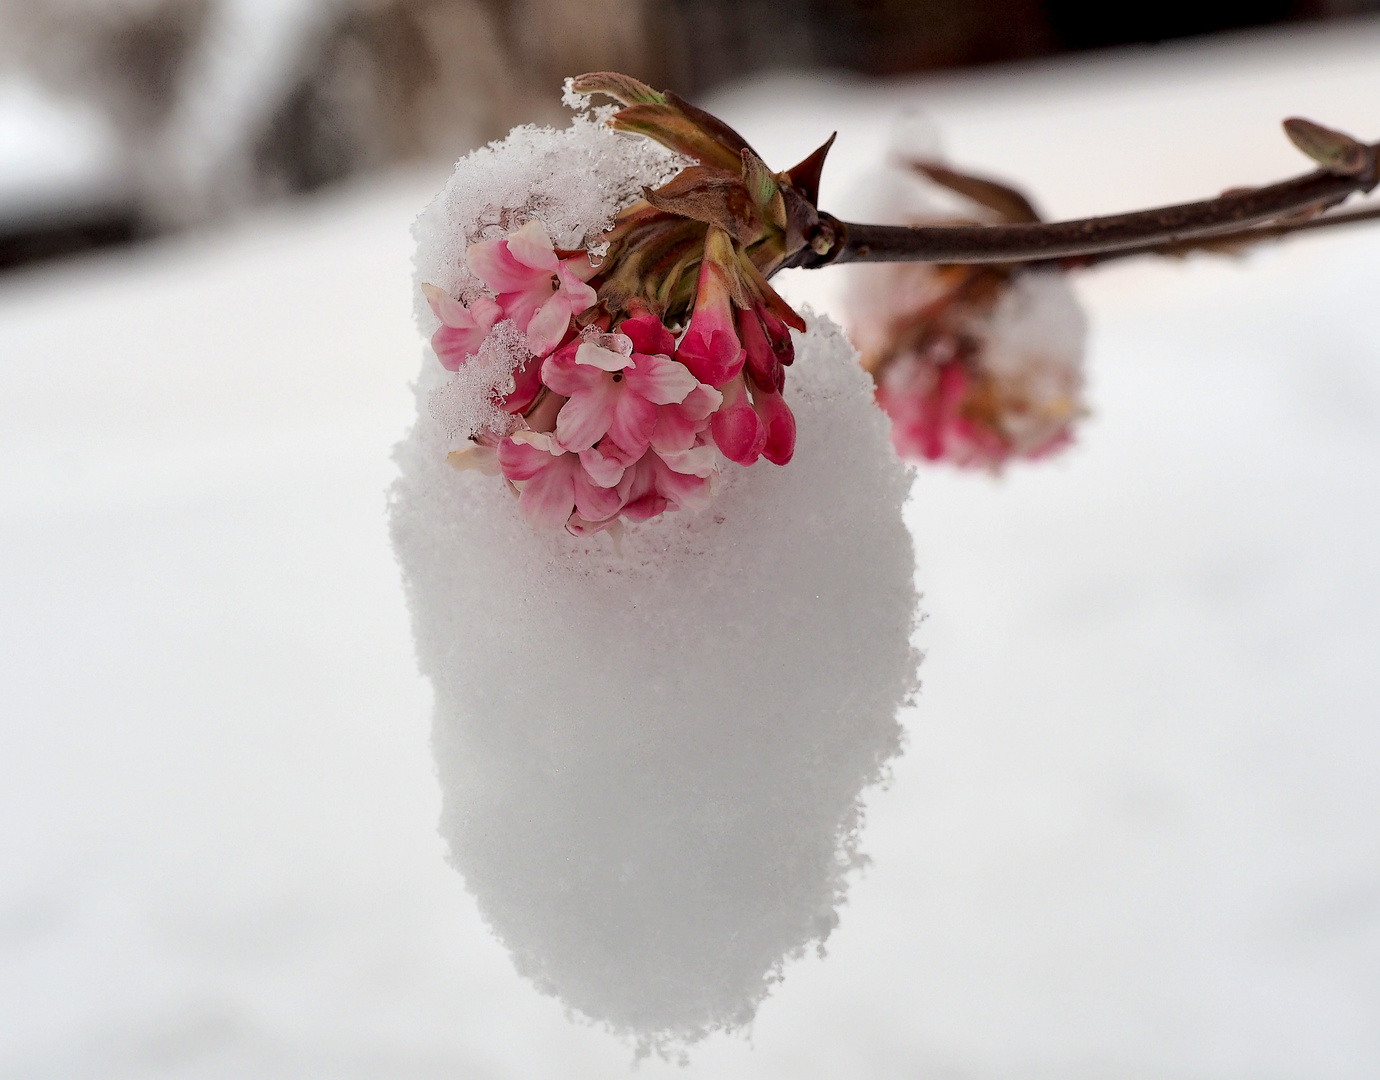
<point>527,385</point>
<point>596,356</point>
<point>463,329</point>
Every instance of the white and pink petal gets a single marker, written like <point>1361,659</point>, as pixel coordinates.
<point>586,417</point>
<point>660,379</point>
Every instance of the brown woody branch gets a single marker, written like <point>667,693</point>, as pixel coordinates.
<point>1231,242</point>
<point>1236,213</point>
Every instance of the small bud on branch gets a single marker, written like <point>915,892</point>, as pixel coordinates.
<point>1336,152</point>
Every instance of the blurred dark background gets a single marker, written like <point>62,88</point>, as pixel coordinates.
<point>123,119</point>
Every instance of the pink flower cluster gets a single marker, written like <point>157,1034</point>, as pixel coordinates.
<point>974,366</point>
<point>931,416</point>
<point>618,422</point>
<point>956,405</point>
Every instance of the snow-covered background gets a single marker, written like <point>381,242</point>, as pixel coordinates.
<point>1136,832</point>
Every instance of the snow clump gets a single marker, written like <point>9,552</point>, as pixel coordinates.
<point>653,757</point>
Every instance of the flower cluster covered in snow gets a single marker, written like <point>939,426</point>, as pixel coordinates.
<point>653,753</point>
<point>975,365</point>
<point>607,379</point>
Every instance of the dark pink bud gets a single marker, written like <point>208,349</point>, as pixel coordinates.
<point>710,347</point>
<point>648,335</point>
<point>713,356</point>
<point>779,422</point>
<point>778,334</point>
<point>762,365</point>
<point>738,431</point>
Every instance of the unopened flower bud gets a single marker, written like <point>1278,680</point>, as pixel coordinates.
<point>738,431</point>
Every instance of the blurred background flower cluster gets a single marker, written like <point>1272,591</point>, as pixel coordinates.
<point>123,119</point>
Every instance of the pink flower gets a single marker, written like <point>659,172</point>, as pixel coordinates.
<point>553,483</point>
<point>606,462</point>
<point>677,423</point>
<point>652,486</point>
<point>612,391</point>
<point>976,366</point>
<point>710,347</point>
<point>536,289</point>
<point>463,328</point>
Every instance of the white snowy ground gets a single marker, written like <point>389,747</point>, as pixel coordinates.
<point>1137,829</point>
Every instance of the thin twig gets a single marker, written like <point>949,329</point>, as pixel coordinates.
<point>1140,230</point>
<point>1230,242</point>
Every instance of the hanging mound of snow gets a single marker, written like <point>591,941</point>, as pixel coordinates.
<point>652,761</point>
